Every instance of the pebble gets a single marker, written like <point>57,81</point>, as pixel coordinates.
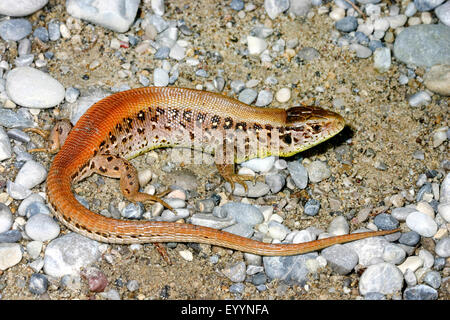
<point>33,88</point>
<point>437,79</point>
<point>412,263</point>
<point>283,95</point>
<point>208,220</point>
<point>186,255</point>
<point>132,285</point>
<point>410,238</point>
<point>260,164</point>
<point>276,182</point>
<point>256,45</point>
<point>443,13</point>
<point>259,189</point>
<point>133,211</point>
<point>53,30</point>
<point>10,236</point>
<point>382,59</point>
<point>423,45</point>
<point>69,253</point>
<point>117,15</point>
<point>31,174</point>
<point>38,283</point>
<point>445,190</point>
<point>14,29</point>
<point>6,218</point>
<point>369,249</point>
<point>318,171</point>
<point>361,51</point>
<point>21,8</point>
<point>393,254</point>
<point>338,226</point>
<point>422,224</point>
<point>242,213</point>
<point>312,207</point>
<point>240,229</point>
<point>347,24</point>
<point>418,99</point>
<point>341,259</point>
<point>433,279</point>
<point>277,231</point>
<point>5,145</point>
<point>97,280</point>
<point>235,272</point>
<point>337,13</point>
<point>383,277</point>
<point>444,211</point>
<point>265,97</point>
<point>385,221</point>
<point>427,5</point>
<point>275,7</point>
<point>442,248</point>
<point>34,249</point>
<point>308,54</point>
<point>300,8</point>
<point>298,173</point>
<point>289,269</point>
<point>10,255</point>
<point>420,292</point>
<point>42,227</point>
<point>41,33</point>
<point>17,191</point>
<point>160,77</point>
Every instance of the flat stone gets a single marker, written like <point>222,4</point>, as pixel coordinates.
<point>437,79</point>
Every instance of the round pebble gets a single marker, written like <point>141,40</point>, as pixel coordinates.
<point>247,96</point>
<point>298,173</point>
<point>385,221</point>
<point>340,258</point>
<point>443,13</point>
<point>410,238</point>
<point>437,79</point>
<point>276,182</point>
<point>384,278</point>
<point>242,213</point>
<point>312,207</point>
<point>38,283</point>
<point>32,88</point>
<point>346,24</point>
<point>422,224</point>
<point>443,247</point>
<point>42,227</point>
<point>283,95</point>
<point>69,253</point>
<point>427,5</point>
<point>265,97</point>
<point>318,171</point>
<point>31,174</point>
<point>15,8</point>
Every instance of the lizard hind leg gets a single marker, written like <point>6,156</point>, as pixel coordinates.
<point>117,167</point>
<point>227,172</point>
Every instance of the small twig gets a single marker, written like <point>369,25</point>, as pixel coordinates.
<point>356,8</point>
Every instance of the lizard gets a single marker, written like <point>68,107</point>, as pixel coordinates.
<point>130,123</point>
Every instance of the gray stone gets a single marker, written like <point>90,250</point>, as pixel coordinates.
<point>341,259</point>
<point>20,8</point>
<point>14,29</point>
<point>423,45</point>
<point>420,292</point>
<point>383,277</point>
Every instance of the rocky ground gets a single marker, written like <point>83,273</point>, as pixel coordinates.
<point>385,170</point>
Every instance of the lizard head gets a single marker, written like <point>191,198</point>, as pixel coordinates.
<point>307,126</point>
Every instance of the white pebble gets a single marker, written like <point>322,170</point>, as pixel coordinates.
<point>381,24</point>
<point>383,277</point>
<point>31,174</point>
<point>186,255</point>
<point>426,208</point>
<point>256,45</point>
<point>259,164</point>
<point>412,263</point>
<point>439,136</point>
<point>160,77</point>
<point>42,227</point>
<point>32,88</point>
<point>422,224</point>
<point>34,249</point>
<point>283,95</point>
<point>337,13</point>
<point>303,236</point>
<point>10,255</point>
<point>15,8</point>
<point>338,226</point>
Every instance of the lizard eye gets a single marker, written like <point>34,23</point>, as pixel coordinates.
<point>287,139</point>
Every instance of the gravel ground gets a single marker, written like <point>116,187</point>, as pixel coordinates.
<point>371,161</point>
